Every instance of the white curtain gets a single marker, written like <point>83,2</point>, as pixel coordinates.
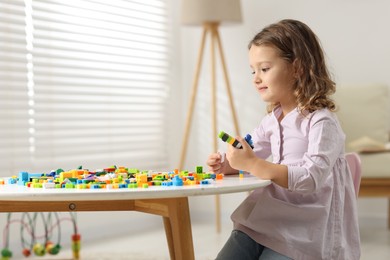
<point>83,83</point>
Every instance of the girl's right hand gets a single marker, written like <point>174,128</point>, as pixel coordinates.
<point>216,163</point>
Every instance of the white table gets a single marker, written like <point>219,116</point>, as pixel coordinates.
<point>169,202</point>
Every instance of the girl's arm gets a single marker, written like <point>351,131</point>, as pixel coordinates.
<point>246,160</point>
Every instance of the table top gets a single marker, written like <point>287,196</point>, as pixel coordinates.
<point>229,184</point>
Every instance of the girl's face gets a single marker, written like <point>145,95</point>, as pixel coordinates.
<point>273,76</point>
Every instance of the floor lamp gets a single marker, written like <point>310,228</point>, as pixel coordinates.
<point>210,15</point>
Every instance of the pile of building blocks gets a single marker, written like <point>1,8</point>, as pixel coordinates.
<point>111,178</point>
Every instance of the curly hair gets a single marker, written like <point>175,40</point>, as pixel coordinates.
<point>298,45</point>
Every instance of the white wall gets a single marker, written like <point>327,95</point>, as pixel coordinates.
<point>356,40</point>
<point>355,37</point>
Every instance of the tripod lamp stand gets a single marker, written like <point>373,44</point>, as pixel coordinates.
<point>210,14</point>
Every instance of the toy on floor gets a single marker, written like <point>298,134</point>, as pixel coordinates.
<point>112,178</point>
<point>40,244</point>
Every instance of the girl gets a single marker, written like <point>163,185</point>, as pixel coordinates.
<point>309,210</point>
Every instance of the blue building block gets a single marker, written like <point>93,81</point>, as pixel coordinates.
<point>122,185</point>
<point>12,180</point>
<point>25,177</point>
<point>94,186</point>
<point>177,181</point>
<point>166,183</point>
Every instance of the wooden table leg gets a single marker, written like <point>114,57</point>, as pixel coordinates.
<point>168,234</point>
<point>177,223</point>
<point>180,229</point>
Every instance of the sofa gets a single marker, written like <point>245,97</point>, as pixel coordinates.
<point>364,114</point>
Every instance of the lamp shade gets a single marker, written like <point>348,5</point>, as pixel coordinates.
<point>197,12</point>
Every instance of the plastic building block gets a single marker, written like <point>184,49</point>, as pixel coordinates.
<point>204,182</point>
<point>81,186</point>
<point>69,185</point>
<point>12,181</point>
<point>132,185</point>
<point>166,183</point>
<point>248,139</point>
<point>177,181</point>
<point>48,185</point>
<point>231,140</point>
<point>111,178</point>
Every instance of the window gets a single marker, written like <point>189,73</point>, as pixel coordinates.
<point>83,83</point>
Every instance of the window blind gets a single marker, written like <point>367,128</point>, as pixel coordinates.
<point>92,84</point>
<point>14,146</point>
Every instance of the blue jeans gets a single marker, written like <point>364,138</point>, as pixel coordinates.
<point>241,246</point>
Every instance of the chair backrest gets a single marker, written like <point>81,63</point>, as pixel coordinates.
<point>354,164</point>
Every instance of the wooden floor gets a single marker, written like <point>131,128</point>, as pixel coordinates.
<point>151,245</point>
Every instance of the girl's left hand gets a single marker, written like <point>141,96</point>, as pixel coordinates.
<point>241,159</point>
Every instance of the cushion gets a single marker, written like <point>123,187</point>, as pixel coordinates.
<point>375,165</point>
<point>364,115</point>
<point>363,112</point>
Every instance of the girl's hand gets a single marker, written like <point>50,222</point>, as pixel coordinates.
<point>245,159</point>
<point>242,159</point>
<point>216,163</point>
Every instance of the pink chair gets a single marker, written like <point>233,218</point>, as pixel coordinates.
<point>354,164</point>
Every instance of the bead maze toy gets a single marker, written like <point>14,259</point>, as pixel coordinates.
<point>39,244</point>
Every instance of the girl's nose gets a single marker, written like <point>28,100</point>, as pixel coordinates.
<point>256,78</point>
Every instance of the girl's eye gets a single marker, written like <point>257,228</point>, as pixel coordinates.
<point>260,69</point>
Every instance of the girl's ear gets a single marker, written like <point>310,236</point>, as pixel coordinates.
<point>298,70</point>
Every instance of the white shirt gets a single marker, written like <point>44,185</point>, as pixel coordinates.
<point>316,217</point>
